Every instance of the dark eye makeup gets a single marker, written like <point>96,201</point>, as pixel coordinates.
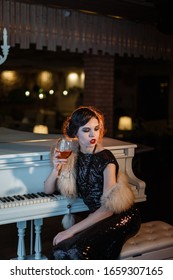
<point>87,129</point>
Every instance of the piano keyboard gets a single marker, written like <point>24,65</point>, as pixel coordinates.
<point>32,206</point>
<point>28,199</point>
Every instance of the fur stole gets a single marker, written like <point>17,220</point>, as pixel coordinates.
<point>119,197</point>
<point>66,183</point>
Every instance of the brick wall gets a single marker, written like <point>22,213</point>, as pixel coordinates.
<point>99,86</point>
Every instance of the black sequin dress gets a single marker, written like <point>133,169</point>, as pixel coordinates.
<point>103,240</point>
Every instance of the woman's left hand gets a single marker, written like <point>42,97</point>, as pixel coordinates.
<point>61,236</point>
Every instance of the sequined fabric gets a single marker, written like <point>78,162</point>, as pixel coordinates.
<point>103,240</point>
<point>90,168</point>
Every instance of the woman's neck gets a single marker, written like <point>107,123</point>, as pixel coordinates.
<point>88,150</point>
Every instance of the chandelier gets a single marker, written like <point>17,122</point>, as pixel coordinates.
<point>4,47</point>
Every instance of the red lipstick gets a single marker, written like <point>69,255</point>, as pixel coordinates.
<point>92,141</point>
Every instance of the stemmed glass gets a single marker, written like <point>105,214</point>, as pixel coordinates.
<point>63,149</point>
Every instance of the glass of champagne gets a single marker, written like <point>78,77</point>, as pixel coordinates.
<point>63,150</point>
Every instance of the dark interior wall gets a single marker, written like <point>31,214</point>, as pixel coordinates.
<point>142,88</point>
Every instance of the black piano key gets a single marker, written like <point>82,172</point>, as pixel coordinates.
<point>21,197</point>
<point>11,199</point>
<point>6,199</point>
<point>34,195</point>
<point>27,196</point>
<point>3,200</point>
<point>51,195</point>
<point>31,195</point>
<point>42,194</point>
<point>16,197</point>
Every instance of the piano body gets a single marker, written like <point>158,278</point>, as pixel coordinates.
<point>24,165</point>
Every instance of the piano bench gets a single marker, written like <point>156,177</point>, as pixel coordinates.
<point>154,241</point>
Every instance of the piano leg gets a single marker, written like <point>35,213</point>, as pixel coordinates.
<point>38,247</point>
<point>21,244</point>
<point>21,252</point>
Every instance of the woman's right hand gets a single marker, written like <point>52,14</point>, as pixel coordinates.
<point>58,162</point>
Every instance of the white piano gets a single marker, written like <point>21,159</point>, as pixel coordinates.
<point>24,165</point>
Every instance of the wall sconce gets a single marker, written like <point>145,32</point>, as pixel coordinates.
<point>43,129</point>
<point>45,80</point>
<point>9,77</point>
<point>4,47</point>
<point>125,123</point>
<point>74,79</point>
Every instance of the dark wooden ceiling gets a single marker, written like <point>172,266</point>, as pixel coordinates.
<point>136,10</point>
<point>155,12</point>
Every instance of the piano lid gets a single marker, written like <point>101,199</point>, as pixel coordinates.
<point>19,146</point>
<point>8,135</point>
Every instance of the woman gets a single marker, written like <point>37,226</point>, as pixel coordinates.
<point>92,173</point>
